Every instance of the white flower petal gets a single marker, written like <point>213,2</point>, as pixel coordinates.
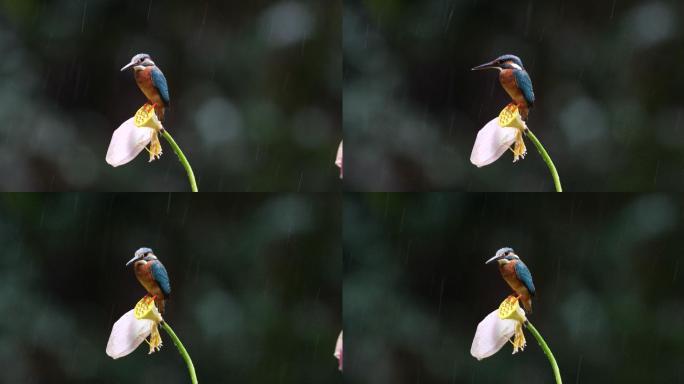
<point>492,334</point>
<point>338,160</point>
<point>492,141</point>
<point>338,350</point>
<point>127,334</point>
<point>127,142</point>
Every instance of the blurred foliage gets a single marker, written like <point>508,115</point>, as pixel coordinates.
<point>255,92</point>
<point>607,269</point>
<point>256,283</point>
<point>609,103</point>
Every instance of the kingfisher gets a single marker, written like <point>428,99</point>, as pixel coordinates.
<point>516,274</point>
<point>151,82</point>
<point>151,273</point>
<point>514,80</point>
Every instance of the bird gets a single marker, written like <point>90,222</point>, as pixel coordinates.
<point>151,82</point>
<point>151,273</point>
<point>514,80</point>
<point>516,274</point>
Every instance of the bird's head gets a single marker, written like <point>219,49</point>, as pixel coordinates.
<point>501,63</point>
<point>145,254</point>
<point>504,256</point>
<point>139,61</point>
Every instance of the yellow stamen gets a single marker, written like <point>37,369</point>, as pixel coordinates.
<point>510,117</point>
<point>519,342</point>
<point>519,150</point>
<point>155,147</point>
<point>510,309</point>
<point>155,339</point>
<point>146,309</point>
<point>145,117</point>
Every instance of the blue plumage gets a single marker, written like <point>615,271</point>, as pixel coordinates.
<point>509,57</point>
<point>159,82</point>
<point>514,80</point>
<point>525,84</point>
<point>524,275</point>
<point>161,277</point>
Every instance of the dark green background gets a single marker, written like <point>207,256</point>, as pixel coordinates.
<point>607,269</point>
<point>255,93</point>
<point>256,283</point>
<point>606,75</point>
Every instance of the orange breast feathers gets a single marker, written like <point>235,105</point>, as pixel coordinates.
<point>508,273</point>
<point>143,273</point>
<point>143,78</point>
<point>508,82</point>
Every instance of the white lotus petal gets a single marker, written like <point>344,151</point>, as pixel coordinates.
<point>338,160</point>
<point>127,334</point>
<point>492,141</point>
<point>127,142</point>
<point>492,334</point>
<point>338,350</point>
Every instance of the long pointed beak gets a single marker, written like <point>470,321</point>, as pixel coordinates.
<point>488,65</point>
<point>125,67</point>
<point>132,260</point>
<point>492,259</point>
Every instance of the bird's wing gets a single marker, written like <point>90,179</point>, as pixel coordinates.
<point>161,277</point>
<point>524,275</point>
<point>159,82</point>
<point>525,84</point>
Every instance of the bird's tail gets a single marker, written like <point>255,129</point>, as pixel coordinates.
<point>527,303</point>
<point>160,303</point>
<point>159,111</point>
<point>524,111</point>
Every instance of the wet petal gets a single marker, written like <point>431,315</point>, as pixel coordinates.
<point>338,350</point>
<point>492,141</point>
<point>338,160</point>
<point>492,334</point>
<point>127,334</point>
<point>127,142</point>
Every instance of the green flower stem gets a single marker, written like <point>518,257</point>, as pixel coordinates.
<point>547,351</point>
<point>547,159</point>
<point>182,158</point>
<point>181,350</point>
